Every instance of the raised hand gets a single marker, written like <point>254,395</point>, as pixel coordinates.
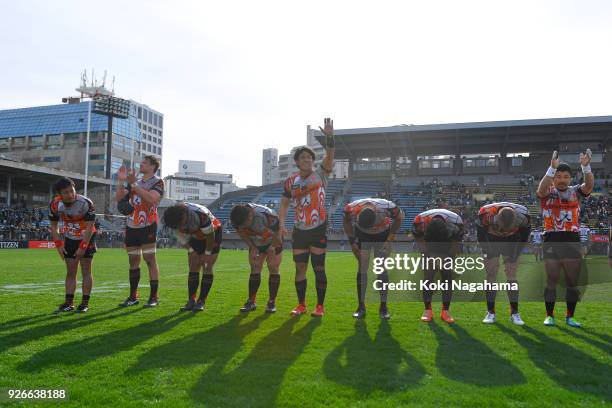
<point>554,162</point>
<point>585,158</point>
<point>122,173</point>
<point>131,177</point>
<point>328,127</point>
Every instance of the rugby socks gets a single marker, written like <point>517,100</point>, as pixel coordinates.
<point>85,300</point>
<point>134,280</point>
<point>254,282</point>
<point>549,300</point>
<point>154,285</point>
<point>273,285</point>
<point>513,296</point>
<point>69,298</point>
<point>571,298</point>
<point>321,284</point>
<point>300,287</point>
<point>207,281</point>
<point>361,285</point>
<point>193,282</point>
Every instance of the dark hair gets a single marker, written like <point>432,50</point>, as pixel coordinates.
<point>301,150</point>
<point>154,161</point>
<point>506,217</point>
<point>239,215</point>
<point>564,167</point>
<point>174,215</point>
<point>366,218</point>
<point>63,183</point>
<point>436,230</point>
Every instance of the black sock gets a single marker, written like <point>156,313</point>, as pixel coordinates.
<point>273,284</point>
<point>491,307</point>
<point>384,278</point>
<point>134,280</point>
<point>154,285</point>
<point>549,300</point>
<point>361,287</point>
<point>300,287</point>
<point>254,282</point>
<point>571,298</point>
<point>192,284</point>
<point>85,300</point>
<point>446,305</point>
<point>321,283</point>
<point>427,305</point>
<point>69,298</point>
<point>513,297</point>
<point>491,295</point>
<point>207,281</point>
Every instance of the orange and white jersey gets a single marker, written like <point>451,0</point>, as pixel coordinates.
<point>308,195</point>
<point>561,209</point>
<point>74,216</point>
<point>453,222</point>
<point>487,218</point>
<point>145,214</point>
<point>263,225</point>
<point>200,222</point>
<point>386,211</point>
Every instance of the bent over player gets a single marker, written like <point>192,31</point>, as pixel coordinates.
<point>77,214</point>
<point>198,230</point>
<point>258,226</point>
<point>371,224</point>
<point>503,230</point>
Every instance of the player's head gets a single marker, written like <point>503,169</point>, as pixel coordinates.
<point>65,188</point>
<point>563,177</point>
<point>240,215</point>
<point>436,230</point>
<point>304,158</point>
<point>149,165</point>
<point>366,218</point>
<point>505,218</point>
<point>176,216</point>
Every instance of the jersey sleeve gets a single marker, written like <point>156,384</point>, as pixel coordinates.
<point>205,224</point>
<point>53,215</point>
<point>273,223</point>
<point>578,188</point>
<point>287,188</point>
<point>90,212</point>
<point>159,187</point>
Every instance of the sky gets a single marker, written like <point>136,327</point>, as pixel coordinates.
<point>233,78</point>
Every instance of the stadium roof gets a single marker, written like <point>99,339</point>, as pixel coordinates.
<point>529,135</point>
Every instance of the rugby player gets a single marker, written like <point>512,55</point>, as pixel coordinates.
<point>438,233</point>
<point>371,224</point>
<point>306,189</point>
<point>77,214</point>
<point>201,233</point>
<point>141,196</point>
<point>258,226</point>
<point>503,230</point>
<point>536,244</point>
<point>585,239</point>
<point>560,203</point>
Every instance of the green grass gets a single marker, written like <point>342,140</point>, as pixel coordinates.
<point>139,357</point>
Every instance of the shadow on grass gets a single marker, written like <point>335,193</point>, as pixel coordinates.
<point>569,367</point>
<point>258,378</point>
<point>215,346</point>
<point>461,357</point>
<point>82,351</point>
<point>371,365</point>
<point>602,342</point>
<point>24,321</point>
<point>60,324</point>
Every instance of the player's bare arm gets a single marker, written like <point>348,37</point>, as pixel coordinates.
<point>547,180</point>
<point>330,145</point>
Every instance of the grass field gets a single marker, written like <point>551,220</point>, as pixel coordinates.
<point>141,357</point>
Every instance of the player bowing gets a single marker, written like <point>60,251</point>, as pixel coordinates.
<point>197,229</point>
<point>438,233</point>
<point>141,198</point>
<point>371,224</point>
<point>258,226</point>
<point>560,203</point>
<point>503,230</point>
<point>306,188</point>
<point>77,214</point>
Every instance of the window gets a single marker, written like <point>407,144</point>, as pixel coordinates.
<point>139,114</point>
<point>517,161</point>
<point>160,123</point>
<point>155,119</point>
<point>51,159</point>
<point>96,157</point>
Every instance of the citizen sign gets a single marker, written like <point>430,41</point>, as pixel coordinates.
<point>9,245</point>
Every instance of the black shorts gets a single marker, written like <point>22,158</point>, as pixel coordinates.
<point>363,238</point>
<point>509,247</point>
<point>316,237</point>
<point>562,245</point>
<point>264,248</point>
<point>200,245</point>
<point>136,237</point>
<point>71,246</point>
